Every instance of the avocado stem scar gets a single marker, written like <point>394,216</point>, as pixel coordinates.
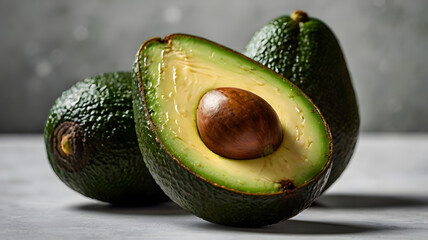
<point>66,145</point>
<point>299,16</point>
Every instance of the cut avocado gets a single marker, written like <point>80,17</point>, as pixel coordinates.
<point>92,146</point>
<point>171,77</point>
<point>305,51</point>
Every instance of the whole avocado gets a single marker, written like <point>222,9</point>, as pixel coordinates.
<point>305,51</point>
<point>92,145</point>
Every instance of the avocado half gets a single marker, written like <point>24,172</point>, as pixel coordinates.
<point>304,50</point>
<point>92,146</point>
<point>171,75</point>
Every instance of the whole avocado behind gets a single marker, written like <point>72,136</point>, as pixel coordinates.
<point>305,51</point>
<point>92,145</point>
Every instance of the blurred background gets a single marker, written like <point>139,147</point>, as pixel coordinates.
<point>47,46</point>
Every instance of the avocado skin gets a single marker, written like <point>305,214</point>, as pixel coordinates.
<point>199,196</point>
<point>309,55</point>
<point>115,171</point>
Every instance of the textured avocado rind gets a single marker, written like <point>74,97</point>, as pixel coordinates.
<point>309,55</point>
<point>105,162</point>
<point>199,196</point>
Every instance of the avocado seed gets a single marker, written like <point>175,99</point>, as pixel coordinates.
<point>238,124</point>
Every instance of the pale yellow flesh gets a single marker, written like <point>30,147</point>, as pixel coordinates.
<point>181,78</point>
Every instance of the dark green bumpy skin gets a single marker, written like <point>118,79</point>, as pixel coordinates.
<point>107,164</point>
<point>308,54</point>
<point>201,197</point>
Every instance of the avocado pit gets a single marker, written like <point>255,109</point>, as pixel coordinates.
<point>238,124</point>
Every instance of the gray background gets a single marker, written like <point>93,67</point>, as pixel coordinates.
<point>47,46</point>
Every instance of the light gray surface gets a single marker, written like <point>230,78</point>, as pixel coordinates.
<point>46,46</point>
<point>382,195</point>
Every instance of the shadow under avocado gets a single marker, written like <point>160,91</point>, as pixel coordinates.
<point>300,227</point>
<point>357,201</point>
<point>166,208</point>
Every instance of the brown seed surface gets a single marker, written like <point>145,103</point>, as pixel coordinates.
<point>238,124</point>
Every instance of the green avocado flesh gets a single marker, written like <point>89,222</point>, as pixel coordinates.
<point>305,51</point>
<point>179,71</point>
<point>92,145</point>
